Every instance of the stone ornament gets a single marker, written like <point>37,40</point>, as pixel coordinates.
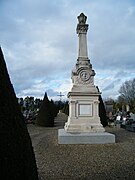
<point>82,27</point>
<point>83,111</point>
<point>82,19</point>
<point>84,75</point>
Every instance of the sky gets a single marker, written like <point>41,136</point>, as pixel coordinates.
<point>40,44</point>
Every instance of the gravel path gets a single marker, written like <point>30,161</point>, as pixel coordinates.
<point>83,162</point>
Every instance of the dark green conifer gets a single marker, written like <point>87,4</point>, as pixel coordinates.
<point>45,115</point>
<point>66,108</point>
<point>54,109</point>
<point>17,158</point>
<point>102,111</point>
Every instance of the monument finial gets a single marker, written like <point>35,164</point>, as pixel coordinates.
<point>82,18</point>
<point>82,27</point>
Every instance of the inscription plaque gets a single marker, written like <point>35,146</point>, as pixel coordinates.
<point>85,109</point>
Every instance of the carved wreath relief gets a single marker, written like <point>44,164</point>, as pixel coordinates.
<point>84,75</point>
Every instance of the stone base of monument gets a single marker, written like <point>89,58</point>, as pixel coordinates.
<point>85,138</point>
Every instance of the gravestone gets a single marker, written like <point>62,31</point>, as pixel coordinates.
<point>83,125</point>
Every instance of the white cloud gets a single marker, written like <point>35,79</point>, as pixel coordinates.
<point>40,43</point>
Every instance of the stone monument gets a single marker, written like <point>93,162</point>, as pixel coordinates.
<point>83,125</point>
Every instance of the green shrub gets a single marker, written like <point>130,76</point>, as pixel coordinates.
<point>16,153</point>
<point>47,113</point>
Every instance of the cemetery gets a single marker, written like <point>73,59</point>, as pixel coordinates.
<point>79,139</point>
<point>102,161</point>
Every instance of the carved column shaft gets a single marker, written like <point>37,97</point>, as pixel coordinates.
<point>72,109</point>
<point>96,106</point>
<point>82,46</point>
<point>82,29</point>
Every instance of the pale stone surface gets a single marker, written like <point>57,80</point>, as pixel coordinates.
<point>83,125</point>
<point>78,122</point>
<point>85,109</point>
<point>83,97</point>
<point>85,138</point>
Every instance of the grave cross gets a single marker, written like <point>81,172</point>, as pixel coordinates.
<point>60,95</point>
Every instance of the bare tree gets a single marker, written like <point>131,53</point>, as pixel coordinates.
<point>127,93</point>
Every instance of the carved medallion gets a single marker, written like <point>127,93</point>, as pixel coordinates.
<point>84,76</point>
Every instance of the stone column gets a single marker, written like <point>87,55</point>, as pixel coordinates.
<point>96,106</point>
<point>82,29</point>
<point>72,109</point>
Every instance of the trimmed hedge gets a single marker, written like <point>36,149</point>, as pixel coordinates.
<point>47,113</point>
<point>16,153</point>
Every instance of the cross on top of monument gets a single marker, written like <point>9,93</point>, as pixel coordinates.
<point>60,95</point>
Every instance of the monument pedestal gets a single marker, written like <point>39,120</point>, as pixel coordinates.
<point>85,138</point>
<point>83,112</point>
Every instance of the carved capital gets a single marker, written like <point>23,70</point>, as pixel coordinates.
<point>82,28</point>
<point>96,102</point>
<point>73,102</point>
